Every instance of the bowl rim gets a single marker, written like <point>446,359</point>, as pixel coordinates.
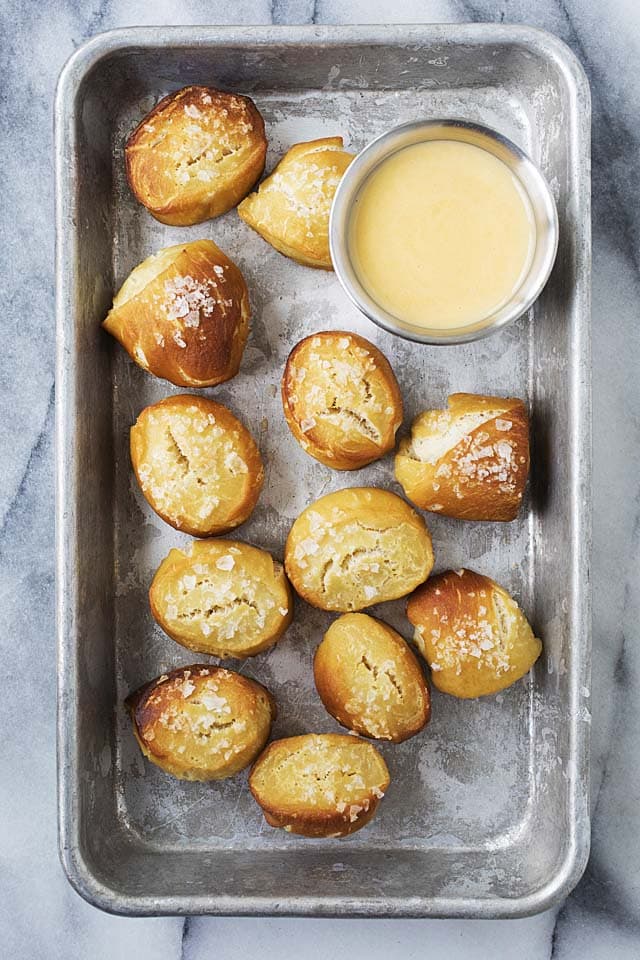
<point>392,141</point>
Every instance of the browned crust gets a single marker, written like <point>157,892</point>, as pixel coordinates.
<point>446,484</point>
<point>149,175</point>
<point>213,349</point>
<point>335,695</point>
<point>319,825</point>
<point>251,454</point>
<point>448,587</point>
<point>310,821</point>
<point>311,440</point>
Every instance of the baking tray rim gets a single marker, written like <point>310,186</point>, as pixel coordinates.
<point>78,871</point>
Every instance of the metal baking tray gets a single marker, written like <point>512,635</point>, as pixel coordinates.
<point>487,815</point>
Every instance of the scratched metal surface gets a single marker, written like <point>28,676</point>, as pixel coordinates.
<point>486,814</point>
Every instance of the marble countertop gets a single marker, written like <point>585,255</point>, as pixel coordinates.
<point>40,915</point>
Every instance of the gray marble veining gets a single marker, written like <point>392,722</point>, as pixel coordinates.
<point>40,916</point>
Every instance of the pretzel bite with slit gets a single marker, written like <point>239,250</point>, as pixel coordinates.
<point>196,155</point>
<point>201,722</point>
<point>319,785</point>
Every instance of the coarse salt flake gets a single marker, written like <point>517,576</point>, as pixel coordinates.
<point>210,701</point>
<point>234,463</point>
<point>309,546</point>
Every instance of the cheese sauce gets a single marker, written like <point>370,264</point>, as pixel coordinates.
<point>442,234</point>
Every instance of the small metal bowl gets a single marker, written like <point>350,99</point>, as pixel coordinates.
<point>534,183</point>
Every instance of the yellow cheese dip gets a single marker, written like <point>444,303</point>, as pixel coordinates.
<point>442,234</point>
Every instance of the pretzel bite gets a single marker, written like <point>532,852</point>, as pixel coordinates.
<point>319,784</point>
<point>200,722</point>
<point>356,547</point>
<point>291,208</point>
<point>197,465</point>
<point>222,597</point>
<point>369,679</point>
<point>472,634</point>
<point>196,155</point>
<point>341,399</point>
<point>183,315</point>
<point>470,461</point>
